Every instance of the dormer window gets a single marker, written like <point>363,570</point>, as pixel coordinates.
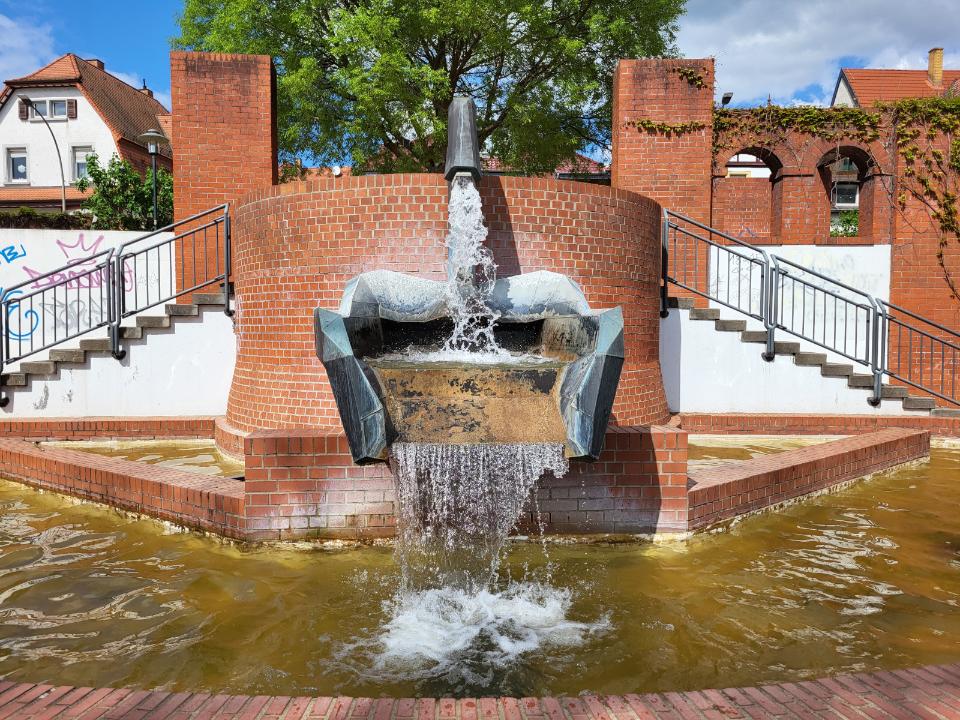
<point>53,109</point>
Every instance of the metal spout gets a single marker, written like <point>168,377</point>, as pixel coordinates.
<point>463,148</point>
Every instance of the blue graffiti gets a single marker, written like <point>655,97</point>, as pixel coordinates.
<point>10,253</point>
<point>32,317</point>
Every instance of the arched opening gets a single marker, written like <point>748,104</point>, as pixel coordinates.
<point>745,197</point>
<point>848,174</point>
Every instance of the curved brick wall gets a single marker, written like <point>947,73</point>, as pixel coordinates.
<point>296,246</point>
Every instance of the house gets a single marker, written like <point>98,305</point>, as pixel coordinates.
<point>862,87</point>
<point>88,111</point>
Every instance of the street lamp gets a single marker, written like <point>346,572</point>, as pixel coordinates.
<point>63,180</point>
<point>152,138</point>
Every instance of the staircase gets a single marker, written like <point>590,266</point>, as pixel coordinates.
<point>885,351</point>
<point>41,329</point>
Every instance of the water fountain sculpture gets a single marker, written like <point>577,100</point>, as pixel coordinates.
<point>474,360</point>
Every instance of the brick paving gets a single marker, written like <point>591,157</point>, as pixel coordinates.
<point>931,692</point>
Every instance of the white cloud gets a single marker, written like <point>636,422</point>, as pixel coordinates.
<point>783,47</point>
<point>25,47</point>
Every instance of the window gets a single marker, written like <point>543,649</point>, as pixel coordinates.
<point>17,165</point>
<point>845,194</point>
<point>50,109</point>
<point>80,161</point>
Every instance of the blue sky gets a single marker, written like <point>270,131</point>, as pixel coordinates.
<point>789,49</point>
<point>132,37</point>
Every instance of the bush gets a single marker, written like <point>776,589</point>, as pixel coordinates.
<point>29,219</point>
<point>847,224</point>
<point>122,198</point>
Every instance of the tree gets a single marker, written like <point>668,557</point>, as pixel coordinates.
<point>372,79</point>
<point>123,198</point>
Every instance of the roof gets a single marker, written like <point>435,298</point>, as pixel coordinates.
<point>31,193</point>
<point>127,111</point>
<point>870,86</point>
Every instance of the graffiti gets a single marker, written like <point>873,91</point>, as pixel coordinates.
<point>84,270</point>
<point>75,316</point>
<point>10,253</point>
<point>26,323</point>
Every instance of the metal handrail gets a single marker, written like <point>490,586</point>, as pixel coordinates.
<point>111,297</point>
<point>871,343</point>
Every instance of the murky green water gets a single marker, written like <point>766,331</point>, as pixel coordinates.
<point>863,579</point>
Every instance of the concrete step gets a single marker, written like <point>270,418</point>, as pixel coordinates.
<point>174,309</point>
<point>783,347</point>
<point>893,392</point>
<point>38,367</point>
<point>809,359</point>
<point>919,403</point>
<point>860,381</point>
<point>704,314</point>
<point>217,299</point>
<point>836,370</point>
<point>131,333</point>
<point>753,336</point>
<point>14,379</point>
<point>153,321</point>
<point>71,355</point>
<point>730,325</point>
<point>946,412</point>
<point>101,345</point>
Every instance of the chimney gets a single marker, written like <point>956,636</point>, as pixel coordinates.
<point>935,67</point>
<point>95,62</point>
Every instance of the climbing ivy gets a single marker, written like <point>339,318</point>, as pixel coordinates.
<point>920,131</point>
<point>653,127</point>
<point>692,77</point>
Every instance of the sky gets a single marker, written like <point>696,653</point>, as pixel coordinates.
<point>791,50</point>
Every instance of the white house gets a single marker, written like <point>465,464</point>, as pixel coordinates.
<point>88,111</point>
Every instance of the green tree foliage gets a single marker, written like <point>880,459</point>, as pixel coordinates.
<point>123,198</point>
<point>372,79</point>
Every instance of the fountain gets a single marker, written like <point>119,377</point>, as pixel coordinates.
<point>471,388</point>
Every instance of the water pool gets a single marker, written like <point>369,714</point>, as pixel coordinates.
<point>862,579</point>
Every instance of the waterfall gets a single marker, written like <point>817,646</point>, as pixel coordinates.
<point>471,272</point>
<point>458,503</point>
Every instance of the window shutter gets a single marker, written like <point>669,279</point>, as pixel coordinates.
<point>24,111</point>
<point>72,109</point>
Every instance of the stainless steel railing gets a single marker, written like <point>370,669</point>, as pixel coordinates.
<point>832,315</point>
<point>104,289</point>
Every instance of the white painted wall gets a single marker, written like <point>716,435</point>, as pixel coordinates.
<point>182,370</point>
<point>865,268</point>
<point>844,95</point>
<point>88,130</point>
<point>709,371</point>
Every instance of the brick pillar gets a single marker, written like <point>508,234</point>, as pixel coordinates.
<point>224,143</point>
<point>674,170</point>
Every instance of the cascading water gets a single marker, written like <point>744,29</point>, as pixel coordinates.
<point>471,272</point>
<point>458,503</point>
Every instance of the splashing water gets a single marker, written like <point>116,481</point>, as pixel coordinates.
<point>471,273</point>
<point>458,503</point>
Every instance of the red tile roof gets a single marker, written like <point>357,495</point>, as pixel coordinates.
<point>28,193</point>
<point>127,111</point>
<point>870,86</point>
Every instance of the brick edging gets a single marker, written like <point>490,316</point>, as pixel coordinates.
<point>809,424</point>
<point>108,428</point>
<point>929,691</point>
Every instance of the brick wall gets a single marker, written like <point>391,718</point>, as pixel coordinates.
<point>761,424</point>
<point>742,207</point>
<point>736,488</point>
<point>107,428</point>
<point>224,140</point>
<point>297,245</point>
<point>303,483</point>
<point>192,500</point>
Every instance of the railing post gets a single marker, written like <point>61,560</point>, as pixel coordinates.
<point>664,262</point>
<point>227,259</point>
<point>877,345</point>
<point>4,339</point>
<point>116,300</point>
<point>768,303</point>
